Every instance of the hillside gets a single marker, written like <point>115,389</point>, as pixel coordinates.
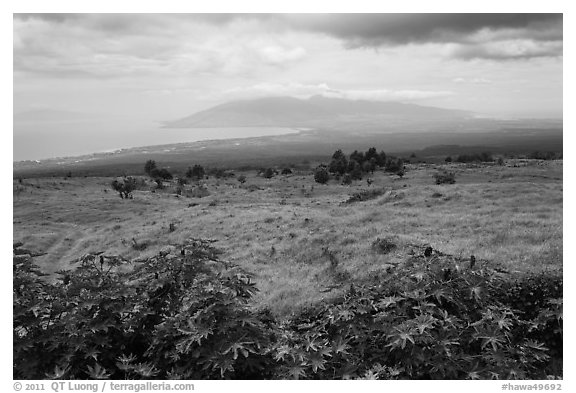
<point>361,281</point>
<point>317,111</point>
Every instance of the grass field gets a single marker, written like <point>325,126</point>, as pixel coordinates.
<point>296,236</point>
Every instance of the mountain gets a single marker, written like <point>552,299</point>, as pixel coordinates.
<point>317,111</point>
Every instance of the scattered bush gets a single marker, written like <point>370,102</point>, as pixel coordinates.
<point>124,187</point>
<point>185,314</point>
<point>182,316</point>
<point>286,171</point>
<point>241,179</point>
<point>269,173</point>
<point>163,174</point>
<point>383,246</point>
<point>427,321</point>
<point>445,177</point>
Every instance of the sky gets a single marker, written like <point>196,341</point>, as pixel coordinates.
<point>162,67</point>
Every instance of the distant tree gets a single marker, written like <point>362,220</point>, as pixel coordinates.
<point>339,163</point>
<point>182,181</point>
<point>149,166</point>
<point>124,187</point>
<point>197,172</point>
<point>355,170</point>
<point>321,174</point>
<point>163,174</point>
<point>371,153</point>
<point>368,166</point>
<point>357,156</point>
<point>381,159</point>
<point>286,171</point>
<point>269,173</point>
<point>448,159</point>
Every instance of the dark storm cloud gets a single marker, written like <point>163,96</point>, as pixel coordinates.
<point>357,30</point>
<point>369,30</point>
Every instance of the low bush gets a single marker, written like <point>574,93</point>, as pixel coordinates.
<point>186,314</point>
<point>182,316</point>
<point>445,177</point>
<point>383,246</point>
<point>124,186</point>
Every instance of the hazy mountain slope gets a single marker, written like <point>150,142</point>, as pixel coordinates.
<point>316,111</point>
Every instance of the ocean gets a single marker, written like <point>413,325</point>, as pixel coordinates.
<point>37,141</point>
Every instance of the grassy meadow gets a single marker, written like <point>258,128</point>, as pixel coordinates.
<point>298,238</point>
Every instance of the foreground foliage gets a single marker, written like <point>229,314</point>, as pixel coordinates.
<point>185,314</point>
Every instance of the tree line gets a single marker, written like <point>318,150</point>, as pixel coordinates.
<point>356,165</point>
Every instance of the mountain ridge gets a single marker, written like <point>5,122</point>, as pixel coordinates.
<point>316,111</point>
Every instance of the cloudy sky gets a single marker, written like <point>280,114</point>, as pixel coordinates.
<point>166,66</point>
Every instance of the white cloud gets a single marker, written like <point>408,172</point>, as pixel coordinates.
<point>300,90</point>
<point>76,48</point>
<point>474,81</point>
<point>509,50</point>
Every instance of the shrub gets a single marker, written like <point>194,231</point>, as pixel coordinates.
<point>163,174</point>
<point>174,316</point>
<point>241,179</point>
<point>321,175</point>
<point>445,177</point>
<point>186,314</point>
<point>124,186</point>
<point>268,173</point>
<point>339,163</point>
<point>429,320</point>
<point>286,171</point>
<point>383,246</point>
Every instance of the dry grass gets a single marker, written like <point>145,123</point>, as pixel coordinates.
<point>296,236</point>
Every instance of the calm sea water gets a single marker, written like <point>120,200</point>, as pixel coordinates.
<point>37,141</point>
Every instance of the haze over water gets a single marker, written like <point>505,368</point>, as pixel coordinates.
<point>38,141</point>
